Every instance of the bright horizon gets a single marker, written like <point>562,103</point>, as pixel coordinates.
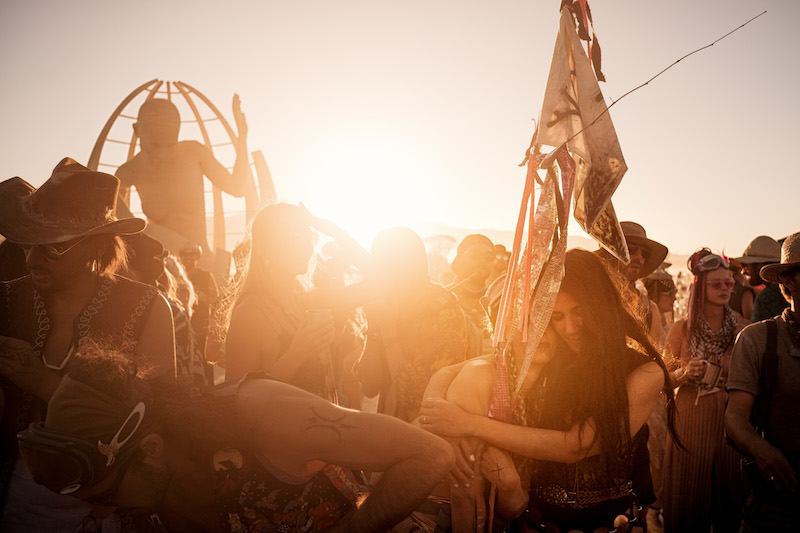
<point>376,114</point>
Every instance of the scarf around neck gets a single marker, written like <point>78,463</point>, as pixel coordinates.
<point>706,343</point>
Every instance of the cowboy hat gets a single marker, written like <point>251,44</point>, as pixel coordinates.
<point>656,252</point>
<point>790,259</point>
<point>762,249</point>
<point>74,202</point>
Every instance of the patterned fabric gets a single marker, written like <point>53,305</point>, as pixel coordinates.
<point>254,498</point>
<point>589,493</point>
<point>114,316</point>
<point>433,334</point>
<point>706,343</point>
<point>189,360</point>
<point>265,503</point>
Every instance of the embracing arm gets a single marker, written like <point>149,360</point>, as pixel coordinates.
<point>644,385</point>
<point>300,432</point>
<point>472,391</point>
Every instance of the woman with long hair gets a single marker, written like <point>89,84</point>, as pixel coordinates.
<point>703,485</point>
<point>579,426</point>
<point>277,322</point>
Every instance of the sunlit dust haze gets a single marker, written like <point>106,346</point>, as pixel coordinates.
<point>377,113</point>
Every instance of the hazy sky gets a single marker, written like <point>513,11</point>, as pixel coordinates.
<point>378,113</point>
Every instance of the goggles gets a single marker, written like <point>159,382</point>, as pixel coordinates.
<point>53,251</point>
<point>60,462</point>
<point>712,262</point>
<point>66,463</point>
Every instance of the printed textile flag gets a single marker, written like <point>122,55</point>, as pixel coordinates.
<point>572,102</point>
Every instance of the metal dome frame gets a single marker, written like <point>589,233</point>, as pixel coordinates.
<point>253,198</point>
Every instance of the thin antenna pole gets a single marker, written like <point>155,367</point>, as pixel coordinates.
<point>659,74</point>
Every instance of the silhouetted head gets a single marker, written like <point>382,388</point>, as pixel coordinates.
<point>157,125</point>
<point>401,257</point>
<point>282,239</point>
<point>474,259</point>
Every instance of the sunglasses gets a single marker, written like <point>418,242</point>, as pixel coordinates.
<point>54,250</point>
<point>721,283</point>
<point>712,262</point>
<point>633,248</point>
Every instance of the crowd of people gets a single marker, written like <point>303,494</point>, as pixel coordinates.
<point>361,396</point>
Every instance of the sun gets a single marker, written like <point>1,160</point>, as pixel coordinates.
<point>367,181</point>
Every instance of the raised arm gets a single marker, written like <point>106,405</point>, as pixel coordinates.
<point>241,181</point>
<point>444,418</point>
<point>299,433</point>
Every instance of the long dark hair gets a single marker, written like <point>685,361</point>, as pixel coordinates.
<point>697,290</point>
<point>252,275</point>
<point>593,383</point>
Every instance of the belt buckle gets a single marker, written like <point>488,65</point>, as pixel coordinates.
<point>571,497</point>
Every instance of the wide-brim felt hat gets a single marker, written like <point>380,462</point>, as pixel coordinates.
<point>74,202</point>
<point>656,252</point>
<point>790,259</point>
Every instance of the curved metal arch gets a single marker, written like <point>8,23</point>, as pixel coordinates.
<point>251,198</point>
<point>216,194</point>
<point>94,158</point>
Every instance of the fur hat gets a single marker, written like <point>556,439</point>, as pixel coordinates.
<point>790,259</point>
<point>74,202</point>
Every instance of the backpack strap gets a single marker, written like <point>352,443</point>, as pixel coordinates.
<point>768,378</point>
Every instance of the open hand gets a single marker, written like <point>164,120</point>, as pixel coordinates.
<point>238,116</point>
<point>322,225</point>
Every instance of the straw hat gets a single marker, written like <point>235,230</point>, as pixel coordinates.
<point>790,259</point>
<point>74,202</point>
<point>656,252</point>
<point>762,249</point>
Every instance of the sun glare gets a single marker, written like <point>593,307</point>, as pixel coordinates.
<point>365,183</point>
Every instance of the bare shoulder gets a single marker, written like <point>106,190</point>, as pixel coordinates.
<point>472,387</point>
<point>195,149</point>
<point>477,369</point>
<point>646,378</point>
